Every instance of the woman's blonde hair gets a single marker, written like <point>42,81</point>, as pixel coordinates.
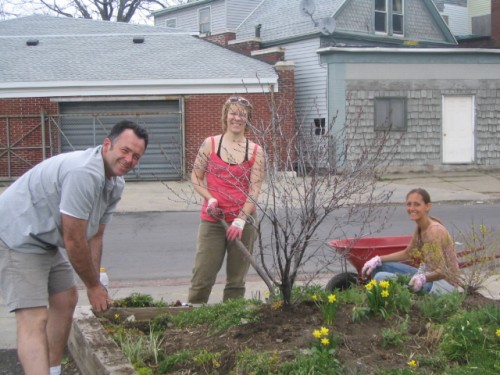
<point>241,103</point>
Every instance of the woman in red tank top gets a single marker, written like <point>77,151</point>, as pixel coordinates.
<point>228,173</point>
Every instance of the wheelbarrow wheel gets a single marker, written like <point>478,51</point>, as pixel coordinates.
<point>342,281</point>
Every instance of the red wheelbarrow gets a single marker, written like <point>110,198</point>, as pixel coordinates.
<point>358,250</point>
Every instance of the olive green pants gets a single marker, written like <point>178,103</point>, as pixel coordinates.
<point>212,246</point>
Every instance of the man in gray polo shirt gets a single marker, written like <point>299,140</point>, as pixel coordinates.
<point>65,201</point>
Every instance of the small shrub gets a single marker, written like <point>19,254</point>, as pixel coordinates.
<point>438,308</point>
<point>470,338</point>
<point>174,361</point>
<point>138,300</point>
<point>395,336</point>
<point>219,317</point>
<point>257,363</point>
<point>481,246</point>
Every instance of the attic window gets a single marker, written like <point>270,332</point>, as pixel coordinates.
<point>204,20</point>
<point>138,40</point>
<point>32,42</point>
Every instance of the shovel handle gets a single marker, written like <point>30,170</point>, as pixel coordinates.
<point>244,251</point>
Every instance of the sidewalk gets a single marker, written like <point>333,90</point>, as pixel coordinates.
<point>176,196</point>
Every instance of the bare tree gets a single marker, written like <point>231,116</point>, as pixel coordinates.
<point>310,181</point>
<point>108,10</point>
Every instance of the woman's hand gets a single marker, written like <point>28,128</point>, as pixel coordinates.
<point>235,230</point>
<point>417,281</point>
<point>370,265</point>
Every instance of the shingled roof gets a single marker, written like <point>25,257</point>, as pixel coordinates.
<point>78,52</point>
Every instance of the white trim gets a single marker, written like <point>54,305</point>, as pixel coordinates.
<point>410,50</point>
<point>101,89</point>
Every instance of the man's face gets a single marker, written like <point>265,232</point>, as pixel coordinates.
<point>120,157</point>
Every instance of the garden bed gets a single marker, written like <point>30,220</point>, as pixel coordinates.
<point>368,346</point>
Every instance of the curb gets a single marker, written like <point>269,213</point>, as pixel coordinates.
<point>93,351</point>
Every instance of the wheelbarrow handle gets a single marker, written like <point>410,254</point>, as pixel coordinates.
<point>246,254</point>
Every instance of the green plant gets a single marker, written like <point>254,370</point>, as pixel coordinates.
<point>171,362</point>
<point>256,363</point>
<point>387,296</point>
<point>208,361</point>
<point>471,338</point>
<point>221,316</point>
<point>312,362</point>
<point>138,300</point>
<point>328,304</point>
<point>395,336</point>
<point>133,345</point>
<point>155,340</point>
<point>439,307</point>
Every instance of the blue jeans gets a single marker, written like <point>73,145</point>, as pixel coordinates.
<point>389,270</point>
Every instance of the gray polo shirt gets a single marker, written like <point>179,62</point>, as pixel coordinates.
<point>73,183</point>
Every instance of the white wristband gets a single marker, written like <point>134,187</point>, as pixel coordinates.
<point>239,223</point>
<point>212,200</point>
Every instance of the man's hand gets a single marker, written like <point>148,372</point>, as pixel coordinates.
<point>212,206</point>
<point>370,265</point>
<point>417,281</point>
<point>235,230</point>
<point>99,298</point>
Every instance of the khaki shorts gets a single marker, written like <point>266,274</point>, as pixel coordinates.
<point>27,280</point>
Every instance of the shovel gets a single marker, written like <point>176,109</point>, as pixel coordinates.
<point>219,216</point>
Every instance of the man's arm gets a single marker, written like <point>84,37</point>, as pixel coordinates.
<point>82,256</point>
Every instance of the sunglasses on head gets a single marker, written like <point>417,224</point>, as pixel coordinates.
<point>237,99</point>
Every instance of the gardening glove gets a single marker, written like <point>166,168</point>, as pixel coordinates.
<point>212,206</point>
<point>235,230</point>
<point>417,281</point>
<point>370,265</point>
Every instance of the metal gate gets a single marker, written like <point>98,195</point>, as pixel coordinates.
<point>86,124</point>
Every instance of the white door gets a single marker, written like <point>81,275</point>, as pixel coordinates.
<point>458,129</point>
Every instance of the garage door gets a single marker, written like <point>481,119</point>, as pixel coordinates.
<point>86,124</point>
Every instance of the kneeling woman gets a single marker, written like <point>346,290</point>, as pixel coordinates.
<point>431,246</point>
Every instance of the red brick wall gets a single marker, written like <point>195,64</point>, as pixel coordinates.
<point>20,123</point>
<point>21,133</point>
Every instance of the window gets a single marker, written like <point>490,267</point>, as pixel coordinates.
<point>319,126</point>
<point>389,17</point>
<point>390,114</point>
<point>204,20</point>
<point>171,22</point>
<point>381,16</point>
<point>397,17</point>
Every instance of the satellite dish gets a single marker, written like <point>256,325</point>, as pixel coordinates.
<point>327,25</point>
<point>307,7</point>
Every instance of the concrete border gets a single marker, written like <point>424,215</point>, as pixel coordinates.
<point>92,349</point>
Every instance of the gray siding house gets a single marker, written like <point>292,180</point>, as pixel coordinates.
<point>367,50</point>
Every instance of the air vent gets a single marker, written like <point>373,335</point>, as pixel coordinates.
<point>32,42</point>
<point>138,40</point>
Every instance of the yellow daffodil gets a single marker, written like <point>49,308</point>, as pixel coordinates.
<point>317,333</point>
<point>369,286</point>
<point>332,298</point>
<point>498,332</point>
<point>384,284</point>
<point>325,341</point>
<point>314,297</point>
<point>412,363</point>
<point>266,293</point>
<point>117,316</point>
<point>384,293</point>
<point>324,331</point>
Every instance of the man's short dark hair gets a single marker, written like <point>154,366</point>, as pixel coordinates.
<point>139,131</point>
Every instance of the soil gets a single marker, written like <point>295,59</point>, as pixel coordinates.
<point>284,331</point>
